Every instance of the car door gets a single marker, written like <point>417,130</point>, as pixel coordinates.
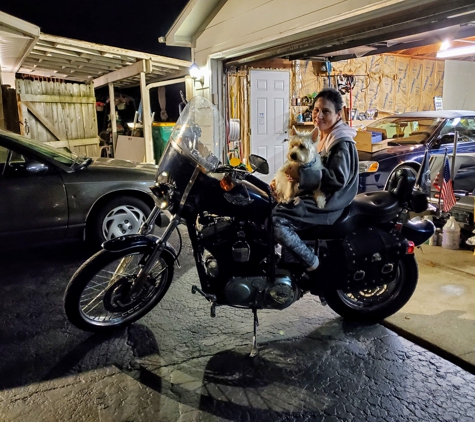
<point>33,203</point>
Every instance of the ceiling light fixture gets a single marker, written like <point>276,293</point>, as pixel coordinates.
<point>456,52</point>
<point>444,46</point>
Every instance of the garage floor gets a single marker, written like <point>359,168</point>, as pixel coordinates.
<point>441,314</point>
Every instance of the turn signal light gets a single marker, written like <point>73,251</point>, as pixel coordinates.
<point>226,183</point>
<point>410,247</point>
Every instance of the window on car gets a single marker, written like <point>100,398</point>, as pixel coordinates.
<point>405,130</point>
<point>64,157</point>
<point>3,158</point>
<point>465,127</point>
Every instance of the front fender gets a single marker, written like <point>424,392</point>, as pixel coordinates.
<point>131,241</point>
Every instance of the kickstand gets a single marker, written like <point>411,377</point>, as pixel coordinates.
<point>254,351</point>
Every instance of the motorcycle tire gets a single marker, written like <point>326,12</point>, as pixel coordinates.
<point>96,296</point>
<point>373,305</point>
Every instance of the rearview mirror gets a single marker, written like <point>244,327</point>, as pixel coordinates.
<point>259,164</point>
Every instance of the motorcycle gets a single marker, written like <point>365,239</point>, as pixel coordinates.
<point>367,270</point>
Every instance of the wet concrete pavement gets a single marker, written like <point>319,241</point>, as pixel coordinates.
<point>178,364</point>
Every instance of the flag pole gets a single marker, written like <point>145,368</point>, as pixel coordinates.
<point>454,154</point>
<point>440,176</point>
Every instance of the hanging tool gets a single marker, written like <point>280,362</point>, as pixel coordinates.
<point>183,103</point>
<point>328,66</point>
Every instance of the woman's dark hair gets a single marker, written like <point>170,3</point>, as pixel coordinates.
<point>332,95</point>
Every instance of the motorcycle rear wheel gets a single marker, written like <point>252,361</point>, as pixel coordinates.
<point>373,305</point>
<point>96,297</point>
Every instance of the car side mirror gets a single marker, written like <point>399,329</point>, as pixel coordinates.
<point>35,167</point>
<point>449,138</point>
<point>259,164</point>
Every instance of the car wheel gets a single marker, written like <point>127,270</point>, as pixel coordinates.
<point>119,216</point>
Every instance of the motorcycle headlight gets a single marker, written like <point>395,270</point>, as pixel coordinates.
<point>368,166</point>
<point>163,194</point>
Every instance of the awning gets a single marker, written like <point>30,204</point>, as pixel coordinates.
<point>82,61</point>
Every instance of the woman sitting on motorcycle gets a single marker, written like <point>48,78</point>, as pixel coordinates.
<point>338,179</point>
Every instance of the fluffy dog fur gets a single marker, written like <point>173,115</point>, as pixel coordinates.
<point>302,150</point>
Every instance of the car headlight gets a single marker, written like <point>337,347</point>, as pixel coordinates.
<point>368,166</point>
<point>163,194</point>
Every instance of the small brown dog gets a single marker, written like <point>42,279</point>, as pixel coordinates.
<point>302,151</point>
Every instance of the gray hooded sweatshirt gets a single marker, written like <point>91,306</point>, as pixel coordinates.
<point>338,180</point>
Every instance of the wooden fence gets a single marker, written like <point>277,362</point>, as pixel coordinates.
<point>59,114</point>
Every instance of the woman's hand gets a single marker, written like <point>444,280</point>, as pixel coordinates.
<point>289,178</point>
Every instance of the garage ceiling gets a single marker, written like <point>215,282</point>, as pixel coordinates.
<point>398,33</point>
<point>420,46</point>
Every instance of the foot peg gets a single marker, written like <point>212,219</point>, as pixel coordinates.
<point>208,297</point>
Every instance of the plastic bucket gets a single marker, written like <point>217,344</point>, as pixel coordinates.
<point>451,239</point>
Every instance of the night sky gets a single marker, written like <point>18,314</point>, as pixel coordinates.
<point>134,25</point>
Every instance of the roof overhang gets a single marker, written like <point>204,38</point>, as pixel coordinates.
<point>17,38</point>
<point>192,21</point>
<point>81,61</point>
<point>377,29</point>
<point>383,30</point>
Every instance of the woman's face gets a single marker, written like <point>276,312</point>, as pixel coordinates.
<point>324,115</point>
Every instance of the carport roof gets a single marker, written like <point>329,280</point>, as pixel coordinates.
<point>82,61</point>
<point>24,49</point>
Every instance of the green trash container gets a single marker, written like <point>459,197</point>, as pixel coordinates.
<point>161,132</point>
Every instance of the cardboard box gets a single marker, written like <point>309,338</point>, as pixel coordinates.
<point>369,141</point>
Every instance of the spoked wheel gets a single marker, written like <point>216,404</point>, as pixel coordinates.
<point>98,297</point>
<point>373,305</point>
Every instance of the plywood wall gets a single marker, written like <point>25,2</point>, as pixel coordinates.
<point>391,84</point>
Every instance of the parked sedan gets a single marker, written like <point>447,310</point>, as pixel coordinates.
<point>48,194</point>
<point>407,136</point>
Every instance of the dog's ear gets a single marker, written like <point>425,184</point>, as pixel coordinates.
<point>293,131</point>
<point>315,135</point>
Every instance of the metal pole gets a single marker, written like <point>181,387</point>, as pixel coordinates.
<point>454,154</point>
<point>440,177</point>
<point>112,116</point>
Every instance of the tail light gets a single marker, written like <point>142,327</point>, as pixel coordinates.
<point>410,247</point>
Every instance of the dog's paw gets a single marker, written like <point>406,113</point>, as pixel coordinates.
<point>321,202</point>
<point>320,199</point>
<point>296,200</point>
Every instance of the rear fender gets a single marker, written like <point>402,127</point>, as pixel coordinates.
<point>133,241</point>
<point>418,231</point>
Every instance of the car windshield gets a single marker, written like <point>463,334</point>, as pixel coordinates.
<point>64,157</point>
<point>408,130</point>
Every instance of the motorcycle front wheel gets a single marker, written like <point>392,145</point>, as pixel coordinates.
<point>373,305</point>
<point>97,297</point>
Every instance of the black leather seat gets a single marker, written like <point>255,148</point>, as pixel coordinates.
<point>370,208</point>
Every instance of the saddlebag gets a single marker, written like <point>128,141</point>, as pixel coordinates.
<point>372,257</point>
<point>366,258</point>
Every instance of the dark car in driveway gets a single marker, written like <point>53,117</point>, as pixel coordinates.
<point>51,194</point>
<point>407,136</point>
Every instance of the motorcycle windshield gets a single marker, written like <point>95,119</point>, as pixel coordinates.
<point>197,131</point>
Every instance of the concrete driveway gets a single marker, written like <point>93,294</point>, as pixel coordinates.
<point>178,364</point>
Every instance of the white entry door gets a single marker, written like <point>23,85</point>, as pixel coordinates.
<point>269,111</point>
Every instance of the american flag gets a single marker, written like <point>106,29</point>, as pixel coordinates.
<point>446,190</point>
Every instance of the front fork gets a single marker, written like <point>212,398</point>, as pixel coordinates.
<point>145,229</point>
